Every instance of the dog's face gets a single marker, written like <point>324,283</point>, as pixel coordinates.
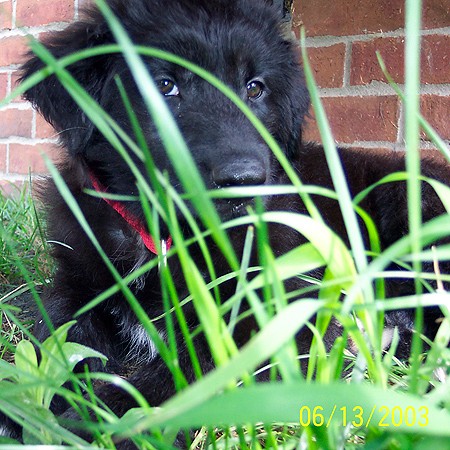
<point>239,41</point>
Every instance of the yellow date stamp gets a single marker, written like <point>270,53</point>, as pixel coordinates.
<point>360,417</point>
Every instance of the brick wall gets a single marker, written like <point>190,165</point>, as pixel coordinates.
<point>342,39</point>
<point>24,135</point>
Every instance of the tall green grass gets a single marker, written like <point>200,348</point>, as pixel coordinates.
<point>318,410</point>
<point>25,265</point>
<point>23,248</point>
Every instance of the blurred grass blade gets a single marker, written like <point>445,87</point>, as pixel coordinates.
<point>281,402</point>
<point>336,169</point>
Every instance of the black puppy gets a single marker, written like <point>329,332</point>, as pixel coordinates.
<point>240,41</point>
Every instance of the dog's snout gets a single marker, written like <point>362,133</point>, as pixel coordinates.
<point>241,173</point>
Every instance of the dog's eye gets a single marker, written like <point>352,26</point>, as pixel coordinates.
<point>255,89</point>
<point>168,88</point>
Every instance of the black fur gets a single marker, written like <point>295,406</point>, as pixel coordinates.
<point>239,41</point>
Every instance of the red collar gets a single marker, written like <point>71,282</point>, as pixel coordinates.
<point>133,221</point>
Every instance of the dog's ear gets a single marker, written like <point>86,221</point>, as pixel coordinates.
<point>50,97</point>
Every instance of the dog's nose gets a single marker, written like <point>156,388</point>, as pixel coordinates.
<point>240,173</point>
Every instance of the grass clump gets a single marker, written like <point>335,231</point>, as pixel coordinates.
<point>23,248</point>
<point>25,263</point>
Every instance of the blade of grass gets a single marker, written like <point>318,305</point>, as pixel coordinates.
<point>434,137</point>
<point>413,11</point>
<point>336,170</point>
<point>273,402</point>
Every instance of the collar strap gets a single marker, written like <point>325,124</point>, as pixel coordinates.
<point>133,221</point>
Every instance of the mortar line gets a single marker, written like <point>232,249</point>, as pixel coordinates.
<point>13,14</point>
<point>347,64</point>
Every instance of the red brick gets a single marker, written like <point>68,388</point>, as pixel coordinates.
<point>15,122</point>
<point>25,158</point>
<point>436,110</point>
<point>435,60</point>
<point>355,119</point>
<point>328,65</point>
<point>43,128</point>
<point>3,152</point>
<point>12,50</point>
<point>364,64</point>
<point>436,14</point>
<point>3,85</point>
<point>6,15</point>
<point>348,17</point>
<point>42,12</point>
